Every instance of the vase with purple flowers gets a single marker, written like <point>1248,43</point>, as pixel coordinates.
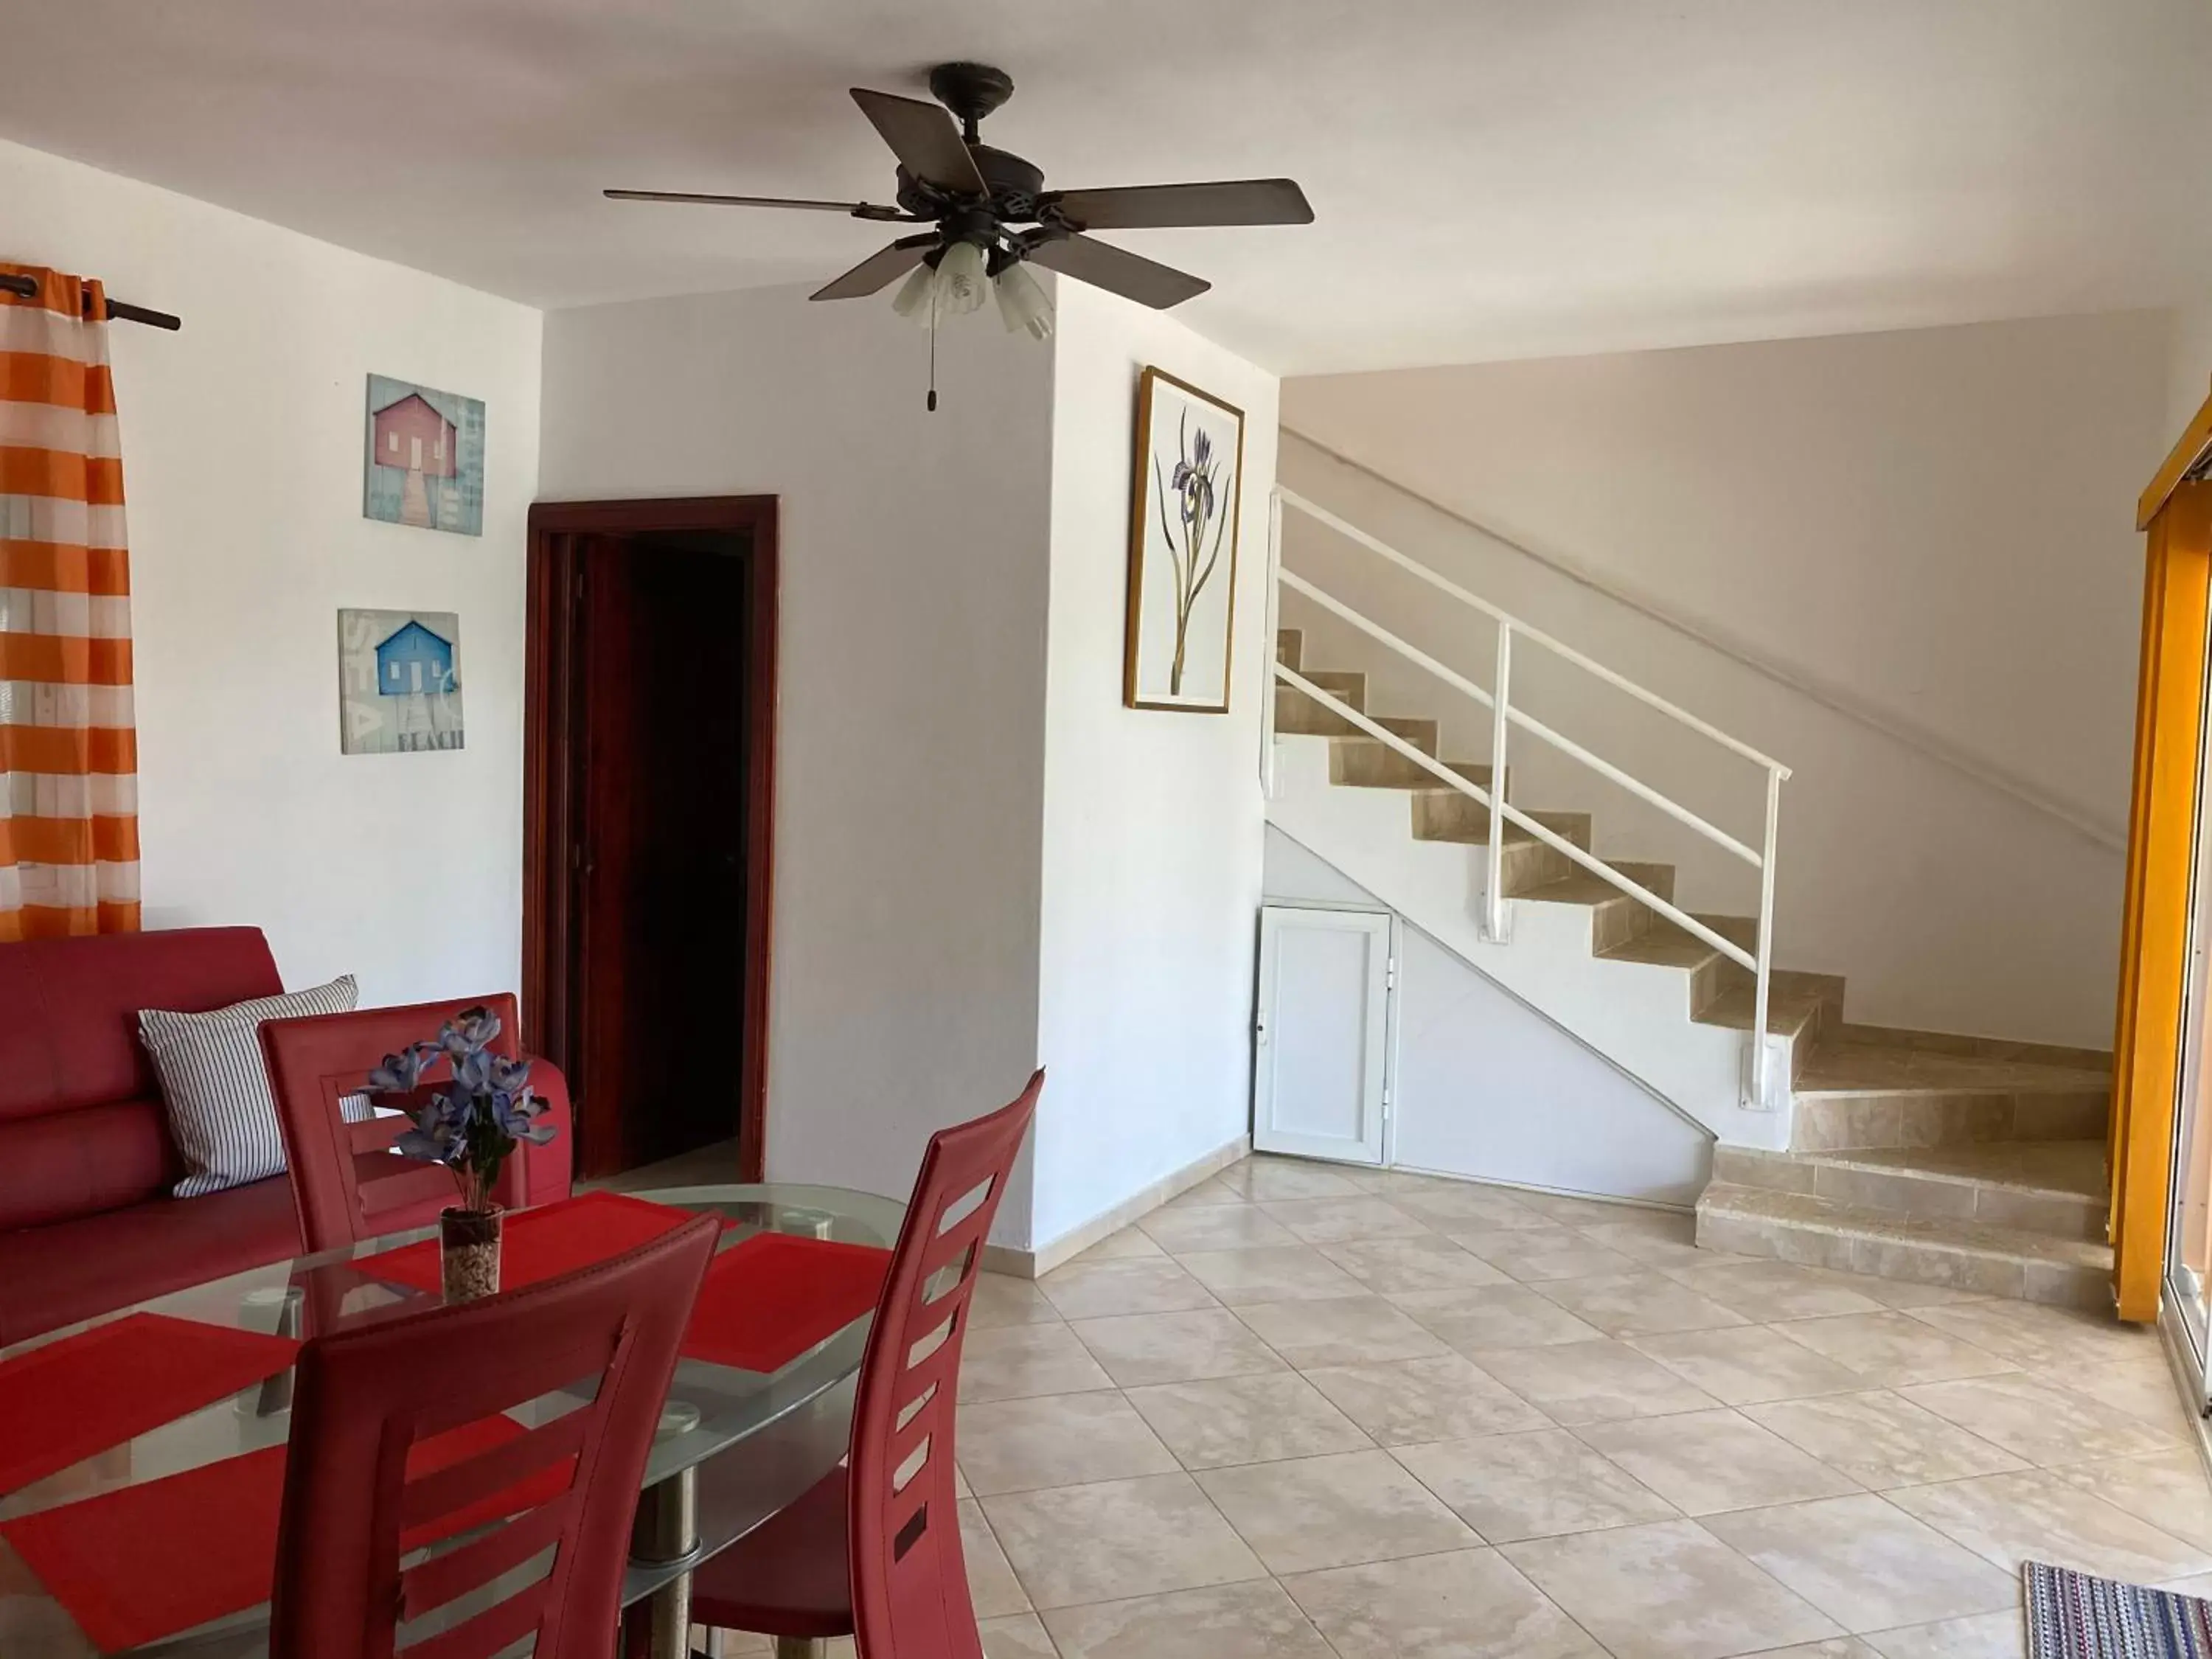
<point>470,1121</point>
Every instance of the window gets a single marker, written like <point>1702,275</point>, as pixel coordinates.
<point>391,441</point>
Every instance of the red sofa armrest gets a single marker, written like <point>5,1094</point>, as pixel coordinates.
<point>548,1171</point>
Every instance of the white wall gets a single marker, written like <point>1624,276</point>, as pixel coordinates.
<point>2189,374</point>
<point>1152,821</point>
<point>909,730</point>
<point>1932,529</point>
<point>1486,1086</point>
<point>242,454</point>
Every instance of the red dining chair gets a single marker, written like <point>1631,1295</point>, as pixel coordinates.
<point>366,1397</point>
<point>874,1550</point>
<point>345,1182</point>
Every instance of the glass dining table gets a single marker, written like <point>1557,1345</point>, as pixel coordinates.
<point>733,1446</point>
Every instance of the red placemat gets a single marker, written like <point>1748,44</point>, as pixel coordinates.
<point>145,1562</point>
<point>765,1300</point>
<point>544,1242</point>
<point>75,1398</point>
<point>774,1296</point>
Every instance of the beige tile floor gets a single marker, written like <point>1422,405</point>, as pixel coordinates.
<point>1304,1411</point>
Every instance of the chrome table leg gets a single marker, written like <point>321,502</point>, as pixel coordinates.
<point>665,1531</point>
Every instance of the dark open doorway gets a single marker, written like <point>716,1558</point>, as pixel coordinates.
<point>649,771</point>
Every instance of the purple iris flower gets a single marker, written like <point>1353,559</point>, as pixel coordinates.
<point>473,1120</point>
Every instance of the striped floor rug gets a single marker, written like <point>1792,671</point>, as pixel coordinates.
<point>2073,1615</point>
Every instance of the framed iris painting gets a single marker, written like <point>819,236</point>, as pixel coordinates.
<point>1183,547</point>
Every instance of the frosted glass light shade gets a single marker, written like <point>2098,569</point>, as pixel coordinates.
<point>961,279</point>
<point>1024,306</point>
<point>911,301</point>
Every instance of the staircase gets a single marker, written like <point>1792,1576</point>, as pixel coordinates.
<point>1949,1161</point>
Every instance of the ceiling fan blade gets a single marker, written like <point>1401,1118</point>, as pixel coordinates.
<point>924,138</point>
<point>1149,207</point>
<point>1119,271</point>
<point>857,209</point>
<point>878,271</point>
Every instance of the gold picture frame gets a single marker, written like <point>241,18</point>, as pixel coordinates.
<point>1179,637</point>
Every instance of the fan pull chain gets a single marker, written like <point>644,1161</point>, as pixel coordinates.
<point>932,348</point>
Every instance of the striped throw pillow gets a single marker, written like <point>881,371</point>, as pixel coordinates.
<point>216,1085</point>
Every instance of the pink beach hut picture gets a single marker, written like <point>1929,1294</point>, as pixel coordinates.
<point>425,461</point>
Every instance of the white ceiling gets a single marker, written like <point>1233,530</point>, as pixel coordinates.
<point>1492,178</point>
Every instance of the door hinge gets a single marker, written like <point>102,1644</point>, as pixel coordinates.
<point>1390,975</point>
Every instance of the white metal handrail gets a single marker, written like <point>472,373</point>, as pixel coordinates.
<point>1501,709</point>
<point>1758,1082</point>
<point>1520,819</point>
<point>1445,585</point>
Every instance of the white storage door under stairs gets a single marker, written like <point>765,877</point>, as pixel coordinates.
<point>1321,1068</point>
<point>1481,1086</point>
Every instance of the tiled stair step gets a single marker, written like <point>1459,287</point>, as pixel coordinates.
<point>1366,763</point>
<point>1792,1011</point>
<point>1968,1255</point>
<point>1850,1067</point>
<point>1941,1117</point>
<point>1857,1094</point>
<point>1947,1043</point>
<point>1721,990</point>
<point>2053,1186</point>
<point>1615,917</point>
<point>1444,814</point>
<point>1669,944</point>
<point>1344,687</point>
<point>1447,815</point>
<point>1297,714</point>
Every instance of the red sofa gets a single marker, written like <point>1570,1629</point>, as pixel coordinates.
<point>87,1223</point>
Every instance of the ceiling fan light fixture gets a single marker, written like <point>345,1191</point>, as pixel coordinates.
<point>962,279</point>
<point>911,301</point>
<point>1023,305</point>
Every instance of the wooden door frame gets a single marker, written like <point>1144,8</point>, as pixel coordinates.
<point>2175,512</point>
<point>551,731</point>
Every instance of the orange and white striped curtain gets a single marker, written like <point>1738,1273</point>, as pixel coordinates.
<point>68,755</point>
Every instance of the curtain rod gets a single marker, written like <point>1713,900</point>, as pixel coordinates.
<point>28,288</point>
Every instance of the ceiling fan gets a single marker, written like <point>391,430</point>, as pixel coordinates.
<point>990,213</point>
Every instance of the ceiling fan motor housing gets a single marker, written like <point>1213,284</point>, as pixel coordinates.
<point>971,91</point>
<point>1014,185</point>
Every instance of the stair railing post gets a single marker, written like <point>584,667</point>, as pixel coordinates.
<point>1762,1080</point>
<point>1494,897</point>
<point>1268,681</point>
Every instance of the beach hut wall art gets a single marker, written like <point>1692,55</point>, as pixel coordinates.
<point>399,682</point>
<point>425,458</point>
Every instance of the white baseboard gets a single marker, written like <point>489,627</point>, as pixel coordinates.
<point>1036,1262</point>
